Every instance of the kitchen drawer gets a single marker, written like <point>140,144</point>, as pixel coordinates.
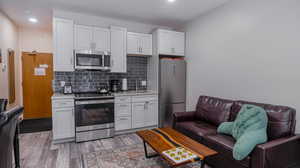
<point>122,99</point>
<point>123,109</point>
<point>123,123</point>
<point>62,103</point>
<point>144,98</point>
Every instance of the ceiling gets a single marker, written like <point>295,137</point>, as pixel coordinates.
<point>160,12</point>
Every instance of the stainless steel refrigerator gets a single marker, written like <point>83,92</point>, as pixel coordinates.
<point>172,82</point>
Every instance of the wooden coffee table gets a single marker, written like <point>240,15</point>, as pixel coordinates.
<point>162,139</point>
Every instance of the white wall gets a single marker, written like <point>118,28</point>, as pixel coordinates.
<point>32,39</point>
<point>246,50</point>
<point>90,20</point>
<point>8,40</point>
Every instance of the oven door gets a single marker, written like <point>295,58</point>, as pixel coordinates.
<point>94,114</point>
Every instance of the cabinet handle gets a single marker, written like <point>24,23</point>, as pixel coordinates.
<point>122,119</point>
<point>141,50</point>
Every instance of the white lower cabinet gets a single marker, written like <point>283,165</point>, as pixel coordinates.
<point>151,115</point>
<point>138,115</point>
<point>136,112</point>
<point>63,120</point>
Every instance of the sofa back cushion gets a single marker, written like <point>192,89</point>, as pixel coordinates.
<point>213,110</point>
<point>281,119</point>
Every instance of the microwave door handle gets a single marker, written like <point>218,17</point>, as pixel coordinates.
<point>103,63</point>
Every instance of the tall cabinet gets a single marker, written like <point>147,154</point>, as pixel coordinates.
<point>63,59</point>
<point>118,49</point>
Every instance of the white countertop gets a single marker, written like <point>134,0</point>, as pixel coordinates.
<point>125,93</point>
<point>62,96</point>
<point>135,93</point>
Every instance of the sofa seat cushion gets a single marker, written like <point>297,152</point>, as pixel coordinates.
<point>196,130</point>
<point>224,144</point>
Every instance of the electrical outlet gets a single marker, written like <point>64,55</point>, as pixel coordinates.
<point>144,83</point>
<point>62,83</point>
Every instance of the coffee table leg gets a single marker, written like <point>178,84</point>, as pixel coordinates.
<point>146,152</point>
<point>202,163</point>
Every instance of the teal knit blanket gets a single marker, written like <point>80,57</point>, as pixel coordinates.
<point>249,129</point>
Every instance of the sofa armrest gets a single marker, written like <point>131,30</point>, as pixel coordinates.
<point>183,116</point>
<point>279,153</point>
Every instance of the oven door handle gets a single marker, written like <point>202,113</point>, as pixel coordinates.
<point>93,102</point>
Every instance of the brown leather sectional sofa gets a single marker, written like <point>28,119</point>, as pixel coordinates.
<point>281,151</point>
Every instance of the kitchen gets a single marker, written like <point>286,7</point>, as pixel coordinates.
<point>107,79</point>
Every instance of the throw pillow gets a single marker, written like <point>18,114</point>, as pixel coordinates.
<point>249,129</point>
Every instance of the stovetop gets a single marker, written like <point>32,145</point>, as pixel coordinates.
<point>92,95</point>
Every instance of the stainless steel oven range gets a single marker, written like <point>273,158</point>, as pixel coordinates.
<point>94,116</point>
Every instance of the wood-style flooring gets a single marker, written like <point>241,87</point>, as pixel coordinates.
<point>37,150</point>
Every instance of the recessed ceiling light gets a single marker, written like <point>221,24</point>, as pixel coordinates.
<point>171,0</point>
<point>33,20</point>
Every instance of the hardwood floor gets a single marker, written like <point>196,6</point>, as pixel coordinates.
<point>37,151</point>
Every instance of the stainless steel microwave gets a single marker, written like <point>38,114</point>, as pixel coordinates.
<point>92,60</point>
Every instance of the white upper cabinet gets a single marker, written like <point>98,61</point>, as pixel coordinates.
<point>118,49</point>
<point>63,44</point>
<point>171,42</point>
<point>83,37</point>
<point>101,39</point>
<point>139,44</point>
<point>88,37</point>
<point>133,43</point>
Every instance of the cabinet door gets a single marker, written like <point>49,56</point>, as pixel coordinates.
<point>133,43</point>
<point>63,123</point>
<point>101,38</point>
<point>63,45</point>
<point>123,109</point>
<point>151,115</point>
<point>138,115</point>
<point>118,49</point>
<point>165,43</point>
<point>123,123</point>
<point>146,44</point>
<point>83,37</point>
<point>178,43</point>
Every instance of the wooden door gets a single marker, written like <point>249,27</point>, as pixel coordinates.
<point>11,76</point>
<point>37,84</point>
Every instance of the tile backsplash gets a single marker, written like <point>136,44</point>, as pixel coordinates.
<point>91,80</point>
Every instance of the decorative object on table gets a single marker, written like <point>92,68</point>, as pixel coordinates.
<point>249,129</point>
<point>180,155</point>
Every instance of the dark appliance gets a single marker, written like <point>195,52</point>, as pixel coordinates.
<point>94,116</point>
<point>92,60</point>
<point>115,85</point>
